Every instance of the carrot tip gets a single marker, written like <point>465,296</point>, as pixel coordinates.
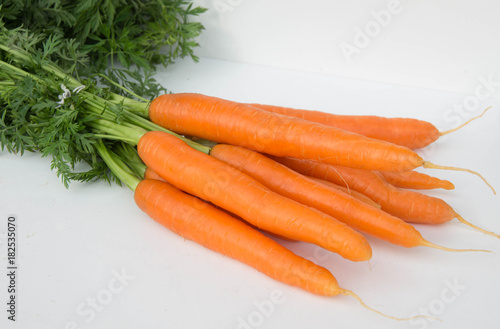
<point>430,165</point>
<point>462,220</point>
<point>352,294</point>
<point>426,243</point>
<point>442,133</point>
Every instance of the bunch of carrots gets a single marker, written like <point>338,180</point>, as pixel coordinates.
<point>229,175</point>
<point>296,174</point>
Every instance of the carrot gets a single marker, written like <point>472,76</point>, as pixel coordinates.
<point>214,229</point>
<point>204,176</point>
<point>224,121</point>
<point>415,180</point>
<point>354,194</point>
<point>151,174</point>
<point>411,206</point>
<point>409,132</point>
<point>239,124</point>
<point>333,202</point>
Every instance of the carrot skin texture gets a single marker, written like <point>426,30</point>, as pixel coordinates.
<point>239,124</point>
<point>411,206</point>
<point>412,133</point>
<point>212,180</point>
<point>415,180</point>
<point>150,174</point>
<point>353,193</point>
<point>196,220</point>
<point>333,202</point>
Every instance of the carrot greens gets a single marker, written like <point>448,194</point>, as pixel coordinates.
<point>122,38</point>
<point>46,109</point>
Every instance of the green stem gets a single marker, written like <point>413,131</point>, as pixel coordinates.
<point>97,106</point>
<point>120,132</point>
<point>20,71</point>
<point>47,67</point>
<point>117,166</point>
<point>130,92</point>
<point>128,152</point>
<point>133,105</point>
<point>148,125</point>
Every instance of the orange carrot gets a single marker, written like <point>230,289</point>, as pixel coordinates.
<point>408,132</point>
<point>224,121</point>
<point>354,194</point>
<point>411,206</point>
<point>234,123</point>
<point>333,202</point>
<point>408,205</point>
<point>151,174</point>
<point>210,179</point>
<point>412,133</point>
<point>415,180</point>
<point>214,229</point>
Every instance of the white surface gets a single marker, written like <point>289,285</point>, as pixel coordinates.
<point>71,241</point>
<point>445,45</point>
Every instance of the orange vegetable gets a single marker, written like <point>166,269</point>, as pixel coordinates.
<point>354,194</point>
<point>411,206</point>
<point>415,180</point>
<point>204,176</point>
<point>239,124</point>
<point>408,132</point>
<point>333,202</point>
<point>408,205</point>
<point>212,228</point>
<point>151,174</point>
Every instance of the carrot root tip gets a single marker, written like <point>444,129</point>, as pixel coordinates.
<point>429,244</point>
<point>430,165</point>
<point>442,133</point>
<point>462,220</point>
<point>352,294</point>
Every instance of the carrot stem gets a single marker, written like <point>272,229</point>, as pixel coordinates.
<point>352,294</point>
<point>117,166</point>
<point>442,133</point>
<point>126,134</point>
<point>130,92</point>
<point>430,165</point>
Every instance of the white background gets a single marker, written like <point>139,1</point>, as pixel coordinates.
<point>442,45</point>
<point>71,243</point>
